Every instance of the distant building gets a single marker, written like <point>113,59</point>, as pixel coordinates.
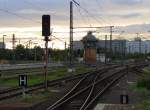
<point>89,42</point>
<point>2,45</point>
<point>138,46</point>
<point>117,45</point>
<point>121,46</point>
<point>78,45</point>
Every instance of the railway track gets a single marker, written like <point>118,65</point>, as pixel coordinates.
<point>82,97</point>
<point>79,96</point>
<point>12,92</point>
<point>88,88</point>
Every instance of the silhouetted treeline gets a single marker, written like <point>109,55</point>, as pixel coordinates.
<point>36,54</point>
<point>22,53</point>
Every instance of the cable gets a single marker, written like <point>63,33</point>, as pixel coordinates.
<point>98,4</point>
<point>90,14</point>
<point>100,7</point>
<point>19,16</point>
<point>82,16</point>
<point>33,5</point>
<point>60,40</point>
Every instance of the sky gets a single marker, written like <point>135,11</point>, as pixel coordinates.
<point>23,18</point>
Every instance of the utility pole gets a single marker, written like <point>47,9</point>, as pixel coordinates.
<point>30,44</point>
<point>19,40</point>
<point>122,48</point>
<point>35,54</point>
<point>65,45</point>
<point>13,41</point>
<point>111,52</point>
<point>71,33</point>
<point>13,46</point>
<point>65,51</point>
<point>105,49</point>
<point>145,48</point>
<point>145,51</point>
<point>4,41</point>
<point>140,46</point>
<point>129,49</point>
<point>140,49</point>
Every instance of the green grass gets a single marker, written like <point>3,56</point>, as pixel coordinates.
<point>53,74</point>
<point>143,86</point>
<point>10,73</point>
<point>147,69</point>
<point>25,61</point>
<point>145,105</point>
<point>37,96</point>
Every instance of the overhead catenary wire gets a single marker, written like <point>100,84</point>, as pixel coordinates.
<point>86,21</point>
<point>60,40</point>
<point>19,16</point>
<point>38,7</point>
<point>90,14</point>
<point>33,5</point>
<point>101,8</point>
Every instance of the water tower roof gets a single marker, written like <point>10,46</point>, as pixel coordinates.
<point>89,37</point>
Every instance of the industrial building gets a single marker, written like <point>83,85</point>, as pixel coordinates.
<point>121,46</point>
<point>138,46</point>
<point>117,45</point>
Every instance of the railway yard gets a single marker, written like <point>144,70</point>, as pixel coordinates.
<point>95,88</point>
<point>74,55</point>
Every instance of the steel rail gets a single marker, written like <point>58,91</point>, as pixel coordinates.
<point>82,91</point>
<point>8,93</point>
<point>103,90</point>
<point>72,90</point>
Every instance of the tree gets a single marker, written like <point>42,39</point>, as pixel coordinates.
<point>20,52</point>
<point>38,53</point>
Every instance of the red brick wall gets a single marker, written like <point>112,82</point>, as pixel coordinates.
<point>90,55</point>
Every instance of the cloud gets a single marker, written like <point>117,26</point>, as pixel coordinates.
<point>131,15</point>
<point>117,12</point>
<point>127,2</point>
<point>34,11</point>
<point>142,28</point>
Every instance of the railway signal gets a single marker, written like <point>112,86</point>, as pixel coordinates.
<point>46,33</point>
<point>46,25</point>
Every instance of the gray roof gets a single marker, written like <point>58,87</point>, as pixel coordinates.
<point>89,38</point>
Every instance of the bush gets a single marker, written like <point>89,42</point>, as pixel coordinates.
<point>144,83</point>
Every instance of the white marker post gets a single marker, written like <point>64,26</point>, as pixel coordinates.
<point>23,83</point>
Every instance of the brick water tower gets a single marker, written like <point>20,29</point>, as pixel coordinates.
<point>89,42</point>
